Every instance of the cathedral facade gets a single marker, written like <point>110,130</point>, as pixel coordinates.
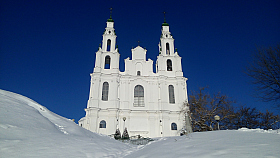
<point>146,103</point>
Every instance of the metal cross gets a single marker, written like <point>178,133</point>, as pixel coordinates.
<point>164,15</point>
<point>111,12</point>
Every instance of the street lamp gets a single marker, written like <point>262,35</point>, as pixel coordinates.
<point>124,118</point>
<point>217,118</point>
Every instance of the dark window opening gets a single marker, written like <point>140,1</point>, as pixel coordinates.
<point>138,96</point>
<point>107,62</point>
<point>169,65</point>
<point>108,45</point>
<point>171,94</point>
<point>138,73</point>
<point>105,91</point>
<point>167,49</point>
<point>102,124</point>
<point>173,126</point>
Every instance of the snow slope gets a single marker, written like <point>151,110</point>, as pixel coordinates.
<point>233,144</point>
<point>28,129</point>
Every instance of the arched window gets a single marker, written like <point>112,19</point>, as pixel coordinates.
<point>138,73</point>
<point>139,96</point>
<point>102,124</point>
<point>107,62</point>
<point>108,45</point>
<point>105,91</point>
<point>169,65</point>
<point>171,94</point>
<point>173,126</point>
<point>167,49</point>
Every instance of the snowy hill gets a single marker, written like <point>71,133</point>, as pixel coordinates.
<point>28,129</point>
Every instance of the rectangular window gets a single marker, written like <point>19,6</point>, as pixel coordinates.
<point>105,91</point>
<point>139,96</point>
<point>139,101</point>
<point>171,94</point>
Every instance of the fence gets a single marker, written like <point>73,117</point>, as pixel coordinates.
<point>139,141</point>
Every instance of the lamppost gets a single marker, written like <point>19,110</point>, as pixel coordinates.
<point>217,118</point>
<point>124,118</point>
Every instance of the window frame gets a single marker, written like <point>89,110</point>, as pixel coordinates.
<point>139,96</point>
<point>169,64</point>
<point>105,91</point>
<point>173,126</point>
<point>171,94</point>
<point>102,124</point>
<point>109,42</point>
<point>167,48</point>
<point>107,63</point>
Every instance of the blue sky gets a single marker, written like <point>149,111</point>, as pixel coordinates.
<point>47,48</point>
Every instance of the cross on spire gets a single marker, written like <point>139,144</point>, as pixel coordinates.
<point>138,42</point>
<point>110,19</point>
<point>111,9</point>
<point>164,16</point>
<point>164,23</point>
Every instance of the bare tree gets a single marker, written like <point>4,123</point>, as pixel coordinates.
<point>203,108</point>
<point>265,72</point>
<point>269,121</point>
<point>247,117</point>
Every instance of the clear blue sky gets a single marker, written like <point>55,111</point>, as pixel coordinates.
<point>48,47</point>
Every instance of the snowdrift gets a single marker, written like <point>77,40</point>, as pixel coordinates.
<point>28,129</point>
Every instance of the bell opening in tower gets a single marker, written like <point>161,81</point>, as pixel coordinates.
<point>108,45</point>
<point>169,65</point>
<point>167,49</point>
<point>107,62</point>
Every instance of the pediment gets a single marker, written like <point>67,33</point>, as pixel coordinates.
<point>139,53</point>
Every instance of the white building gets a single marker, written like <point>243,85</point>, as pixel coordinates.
<point>146,103</point>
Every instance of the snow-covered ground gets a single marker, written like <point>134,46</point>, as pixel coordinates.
<point>28,129</point>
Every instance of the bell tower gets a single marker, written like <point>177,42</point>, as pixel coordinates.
<point>109,37</point>
<point>168,61</point>
<point>166,40</point>
<point>107,56</point>
<point>104,86</point>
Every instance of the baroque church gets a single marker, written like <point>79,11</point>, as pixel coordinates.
<point>144,102</point>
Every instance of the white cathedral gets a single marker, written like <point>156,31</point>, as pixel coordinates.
<point>146,103</point>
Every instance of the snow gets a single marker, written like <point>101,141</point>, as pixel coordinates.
<point>215,144</point>
<point>28,129</point>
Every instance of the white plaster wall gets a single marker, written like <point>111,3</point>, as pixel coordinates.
<point>138,119</point>
<point>139,53</point>
<point>155,118</point>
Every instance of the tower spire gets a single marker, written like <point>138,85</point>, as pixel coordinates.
<point>110,19</point>
<point>164,22</point>
<point>164,16</point>
<point>111,9</point>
